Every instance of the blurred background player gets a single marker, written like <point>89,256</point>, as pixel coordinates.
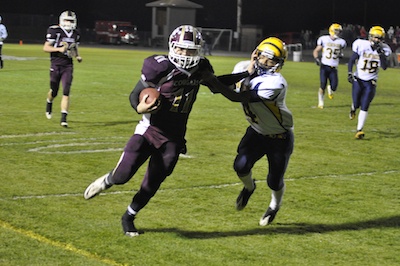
<point>160,135</point>
<point>332,50</point>
<point>62,43</point>
<point>270,132</point>
<point>3,36</point>
<point>370,55</point>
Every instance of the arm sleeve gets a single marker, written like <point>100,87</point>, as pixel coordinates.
<point>352,60</point>
<point>215,85</point>
<point>384,62</point>
<point>231,79</point>
<point>134,96</point>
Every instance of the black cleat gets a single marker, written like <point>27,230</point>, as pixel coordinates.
<point>268,216</point>
<point>244,197</point>
<point>128,226</point>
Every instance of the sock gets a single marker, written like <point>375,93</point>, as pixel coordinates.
<point>131,211</point>
<point>49,106</point>
<point>362,117</point>
<point>247,181</point>
<point>320,96</point>
<point>276,198</point>
<point>64,116</point>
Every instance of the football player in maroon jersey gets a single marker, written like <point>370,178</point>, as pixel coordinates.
<point>160,135</point>
<point>62,43</point>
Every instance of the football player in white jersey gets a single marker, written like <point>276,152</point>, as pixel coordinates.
<point>370,55</point>
<point>270,133</point>
<point>3,36</point>
<point>332,50</point>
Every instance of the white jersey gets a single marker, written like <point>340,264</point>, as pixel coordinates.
<point>270,116</point>
<point>3,33</point>
<point>331,49</point>
<point>368,62</point>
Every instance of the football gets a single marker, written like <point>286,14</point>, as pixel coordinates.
<point>152,92</point>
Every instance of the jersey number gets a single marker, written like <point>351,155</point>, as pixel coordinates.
<point>251,117</point>
<point>370,66</point>
<point>183,101</point>
<point>332,53</point>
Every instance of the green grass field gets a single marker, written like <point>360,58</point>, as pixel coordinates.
<point>341,207</point>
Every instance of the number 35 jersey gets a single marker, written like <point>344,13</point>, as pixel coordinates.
<point>331,50</point>
<point>368,59</point>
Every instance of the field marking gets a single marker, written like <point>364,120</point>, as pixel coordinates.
<point>197,187</point>
<point>58,244</point>
<point>35,135</point>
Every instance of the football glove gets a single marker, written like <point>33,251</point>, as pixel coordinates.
<point>378,46</point>
<point>350,77</point>
<point>317,61</point>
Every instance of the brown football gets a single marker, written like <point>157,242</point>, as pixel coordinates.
<point>152,92</point>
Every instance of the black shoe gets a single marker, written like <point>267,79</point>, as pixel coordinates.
<point>64,119</point>
<point>244,197</point>
<point>352,114</point>
<point>128,226</point>
<point>268,216</point>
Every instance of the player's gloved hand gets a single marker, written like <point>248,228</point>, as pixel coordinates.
<point>64,47</point>
<point>341,55</point>
<point>79,59</point>
<point>350,77</point>
<point>379,49</point>
<point>317,61</point>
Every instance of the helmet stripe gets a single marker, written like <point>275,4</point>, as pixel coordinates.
<point>274,45</point>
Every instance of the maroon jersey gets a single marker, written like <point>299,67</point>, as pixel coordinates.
<point>57,35</point>
<point>178,90</point>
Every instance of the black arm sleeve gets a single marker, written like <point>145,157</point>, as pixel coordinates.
<point>134,96</point>
<point>215,85</point>
<point>384,62</point>
<point>230,79</point>
<point>352,60</point>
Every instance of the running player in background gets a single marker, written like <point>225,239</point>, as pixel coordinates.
<point>370,55</point>
<point>332,50</point>
<point>3,36</point>
<point>62,43</point>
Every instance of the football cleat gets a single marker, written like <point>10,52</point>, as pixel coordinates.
<point>360,134</point>
<point>268,216</point>
<point>352,114</point>
<point>244,197</point>
<point>48,115</point>
<point>330,92</point>
<point>320,105</point>
<point>128,226</point>
<point>64,124</point>
<point>96,187</point>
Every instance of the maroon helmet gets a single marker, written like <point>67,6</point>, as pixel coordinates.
<point>188,38</point>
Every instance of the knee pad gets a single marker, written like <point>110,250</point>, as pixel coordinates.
<point>241,165</point>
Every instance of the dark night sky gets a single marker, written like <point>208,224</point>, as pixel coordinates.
<point>273,16</point>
